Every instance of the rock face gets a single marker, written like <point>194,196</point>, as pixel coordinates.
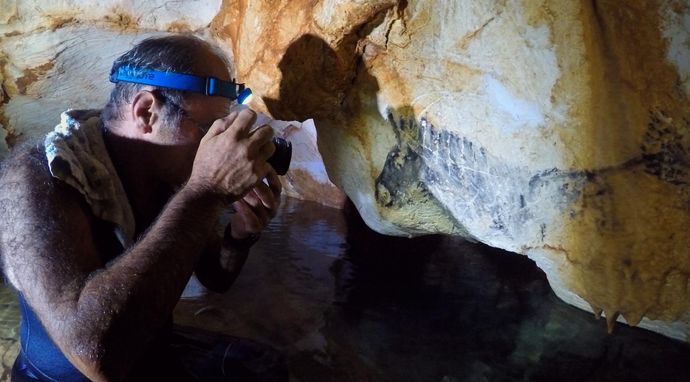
<point>557,129</point>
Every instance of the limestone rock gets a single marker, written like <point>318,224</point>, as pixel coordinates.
<point>557,129</point>
<point>57,55</point>
<point>48,72</point>
<point>8,11</point>
<point>28,16</point>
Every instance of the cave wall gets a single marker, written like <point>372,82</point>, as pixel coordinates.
<point>557,129</point>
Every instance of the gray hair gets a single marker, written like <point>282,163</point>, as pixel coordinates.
<point>175,53</point>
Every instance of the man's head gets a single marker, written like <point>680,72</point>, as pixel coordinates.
<point>175,53</point>
<point>164,117</point>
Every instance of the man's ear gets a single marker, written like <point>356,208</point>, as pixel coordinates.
<point>146,109</point>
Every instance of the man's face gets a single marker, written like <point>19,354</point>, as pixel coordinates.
<point>181,142</point>
<point>198,114</point>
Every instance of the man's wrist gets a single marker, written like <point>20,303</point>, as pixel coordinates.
<point>197,192</point>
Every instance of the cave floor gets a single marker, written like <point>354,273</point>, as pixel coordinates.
<point>346,304</point>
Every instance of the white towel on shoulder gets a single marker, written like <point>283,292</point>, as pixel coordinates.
<point>77,155</point>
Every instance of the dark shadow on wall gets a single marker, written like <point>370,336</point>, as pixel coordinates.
<point>316,77</point>
<point>335,88</point>
<point>310,84</point>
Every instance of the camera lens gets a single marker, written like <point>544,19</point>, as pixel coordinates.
<point>280,160</point>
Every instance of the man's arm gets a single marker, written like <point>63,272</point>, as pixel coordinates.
<point>99,316</point>
<point>102,317</point>
<point>223,258</point>
<point>220,263</point>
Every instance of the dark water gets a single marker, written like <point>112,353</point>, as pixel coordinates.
<point>347,304</point>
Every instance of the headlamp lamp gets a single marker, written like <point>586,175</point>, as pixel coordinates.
<point>210,86</point>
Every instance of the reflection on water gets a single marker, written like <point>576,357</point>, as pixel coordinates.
<point>346,304</point>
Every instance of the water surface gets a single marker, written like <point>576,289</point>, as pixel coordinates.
<point>347,304</point>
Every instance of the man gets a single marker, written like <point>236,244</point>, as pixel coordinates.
<point>103,226</point>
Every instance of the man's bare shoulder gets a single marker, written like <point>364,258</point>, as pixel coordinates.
<point>25,175</point>
<point>27,186</point>
<point>24,182</point>
<point>38,214</point>
<point>24,169</point>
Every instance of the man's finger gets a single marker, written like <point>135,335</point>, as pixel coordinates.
<point>244,122</point>
<point>267,150</point>
<point>274,183</point>
<point>261,134</point>
<point>257,215</point>
<point>251,221</point>
<point>260,169</point>
<point>265,196</point>
<point>220,125</point>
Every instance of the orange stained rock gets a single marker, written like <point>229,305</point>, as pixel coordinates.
<point>629,243</point>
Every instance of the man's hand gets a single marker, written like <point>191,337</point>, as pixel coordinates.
<point>256,208</point>
<point>231,158</point>
<point>223,260</point>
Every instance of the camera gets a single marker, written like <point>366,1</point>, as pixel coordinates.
<point>280,160</point>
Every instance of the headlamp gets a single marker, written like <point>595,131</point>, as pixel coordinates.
<point>210,86</point>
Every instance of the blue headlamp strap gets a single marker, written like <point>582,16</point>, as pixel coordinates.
<point>210,86</point>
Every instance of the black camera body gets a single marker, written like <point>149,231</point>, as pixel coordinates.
<point>280,160</point>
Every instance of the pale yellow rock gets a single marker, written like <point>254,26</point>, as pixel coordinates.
<point>307,178</point>
<point>51,71</point>
<point>8,10</point>
<point>57,55</point>
<point>35,15</point>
